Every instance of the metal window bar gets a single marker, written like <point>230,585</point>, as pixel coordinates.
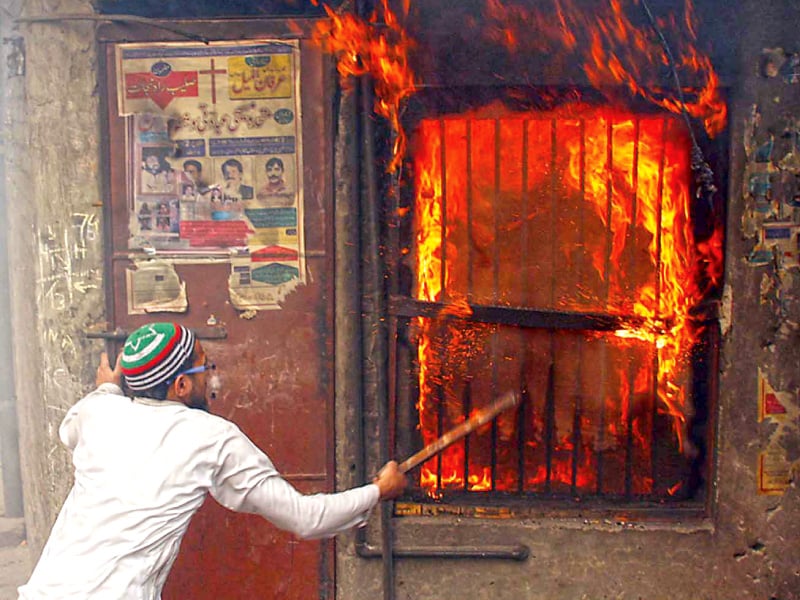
<point>495,293</point>
<point>522,411</point>
<point>578,414</point>
<point>632,363</point>
<point>400,306</point>
<point>607,274</point>
<point>657,300</point>
<point>440,392</point>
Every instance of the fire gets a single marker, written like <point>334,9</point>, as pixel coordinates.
<point>631,173</point>
<point>616,50</point>
<point>378,47</point>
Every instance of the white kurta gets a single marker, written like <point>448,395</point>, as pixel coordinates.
<point>142,469</point>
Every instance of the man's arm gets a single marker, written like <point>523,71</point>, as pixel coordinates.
<point>246,481</point>
<point>107,378</point>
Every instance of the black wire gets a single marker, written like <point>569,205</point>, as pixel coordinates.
<point>703,172</point>
<point>157,23</point>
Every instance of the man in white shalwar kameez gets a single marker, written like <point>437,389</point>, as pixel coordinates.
<point>143,466</point>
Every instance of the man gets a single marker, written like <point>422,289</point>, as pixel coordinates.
<point>194,169</point>
<point>274,192</point>
<point>143,465</point>
<point>157,175</point>
<point>233,188</point>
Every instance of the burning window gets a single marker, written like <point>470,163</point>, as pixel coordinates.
<point>554,252</point>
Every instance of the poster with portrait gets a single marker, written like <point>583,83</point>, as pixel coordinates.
<point>215,157</point>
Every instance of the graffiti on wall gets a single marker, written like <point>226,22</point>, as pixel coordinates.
<point>63,273</point>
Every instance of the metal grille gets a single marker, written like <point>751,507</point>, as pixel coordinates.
<point>545,251</point>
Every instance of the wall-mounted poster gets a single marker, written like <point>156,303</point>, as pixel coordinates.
<point>215,156</point>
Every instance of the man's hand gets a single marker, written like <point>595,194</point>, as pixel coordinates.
<point>390,481</point>
<point>105,374</point>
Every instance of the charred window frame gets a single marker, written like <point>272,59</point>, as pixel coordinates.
<point>552,453</point>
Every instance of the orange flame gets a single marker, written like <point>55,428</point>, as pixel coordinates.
<point>638,191</point>
<point>614,50</point>
<point>633,173</point>
<point>377,47</point>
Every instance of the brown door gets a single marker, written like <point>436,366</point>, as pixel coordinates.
<point>275,365</point>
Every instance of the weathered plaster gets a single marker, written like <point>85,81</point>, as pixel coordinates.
<point>56,245</point>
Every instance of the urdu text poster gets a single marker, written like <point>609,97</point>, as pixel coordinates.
<point>215,159</point>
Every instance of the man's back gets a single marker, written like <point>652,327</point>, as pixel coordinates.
<point>142,469</point>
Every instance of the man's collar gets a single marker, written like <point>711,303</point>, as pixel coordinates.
<point>154,402</point>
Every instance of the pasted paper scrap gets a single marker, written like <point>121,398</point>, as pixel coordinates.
<point>154,286</point>
<point>771,404</point>
<point>262,281</point>
<point>774,472</point>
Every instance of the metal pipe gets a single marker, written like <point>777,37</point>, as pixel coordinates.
<point>518,552</point>
<point>348,362</point>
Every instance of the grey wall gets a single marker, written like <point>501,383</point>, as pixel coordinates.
<point>55,244</point>
<point>11,481</point>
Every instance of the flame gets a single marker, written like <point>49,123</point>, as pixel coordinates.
<point>615,50</point>
<point>632,173</point>
<point>379,47</point>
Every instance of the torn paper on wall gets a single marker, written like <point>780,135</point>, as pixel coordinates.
<point>154,286</point>
<point>774,472</point>
<point>771,404</point>
<point>777,62</point>
<point>781,409</point>
<point>771,185</point>
<point>261,281</point>
<point>777,243</point>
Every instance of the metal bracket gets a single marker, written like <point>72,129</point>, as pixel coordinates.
<point>120,335</point>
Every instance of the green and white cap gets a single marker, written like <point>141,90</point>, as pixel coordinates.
<point>154,353</point>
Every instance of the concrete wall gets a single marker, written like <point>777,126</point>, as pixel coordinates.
<point>10,476</point>
<point>55,243</point>
<point>748,547</point>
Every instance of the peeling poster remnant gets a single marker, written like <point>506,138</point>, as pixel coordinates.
<point>771,404</point>
<point>771,186</point>
<point>780,408</point>
<point>776,62</point>
<point>774,472</point>
<point>262,280</point>
<point>154,286</point>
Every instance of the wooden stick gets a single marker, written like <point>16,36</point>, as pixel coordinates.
<point>481,417</point>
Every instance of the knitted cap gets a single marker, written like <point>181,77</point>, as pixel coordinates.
<point>154,354</point>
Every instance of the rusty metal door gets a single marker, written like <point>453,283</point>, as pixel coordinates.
<point>276,365</point>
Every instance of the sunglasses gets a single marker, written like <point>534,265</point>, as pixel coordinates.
<point>200,369</point>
